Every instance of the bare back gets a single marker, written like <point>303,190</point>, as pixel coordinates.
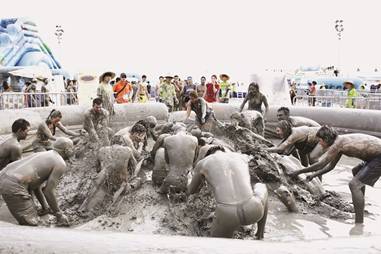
<point>35,169</point>
<point>10,150</point>
<point>361,146</point>
<point>298,121</point>
<point>181,151</point>
<point>228,174</point>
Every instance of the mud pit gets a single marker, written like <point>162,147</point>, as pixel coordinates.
<point>145,211</point>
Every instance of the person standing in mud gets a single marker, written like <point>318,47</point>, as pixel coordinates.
<point>255,99</point>
<point>303,138</point>
<point>361,146</point>
<point>105,91</point>
<point>237,203</point>
<point>46,131</point>
<point>40,174</point>
<point>204,114</point>
<point>96,123</point>
<point>11,149</point>
<point>283,113</point>
<point>178,151</point>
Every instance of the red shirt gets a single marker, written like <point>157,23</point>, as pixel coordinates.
<point>211,96</point>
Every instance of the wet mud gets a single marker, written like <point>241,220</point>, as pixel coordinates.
<point>143,210</point>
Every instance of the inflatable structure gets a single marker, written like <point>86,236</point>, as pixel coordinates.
<point>21,45</point>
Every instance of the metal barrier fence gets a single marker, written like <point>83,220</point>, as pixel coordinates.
<point>361,102</point>
<point>33,100</point>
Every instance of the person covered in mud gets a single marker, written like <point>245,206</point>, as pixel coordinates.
<point>283,113</point>
<point>252,120</point>
<point>237,204</point>
<point>117,167</point>
<point>204,114</point>
<point>38,173</point>
<point>361,146</point>
<point>178,152</point>
<point>11,149</point>
<point>150,122</point>
<point>303,138</point>
<point>255,99</point>
<point>96,123</point>
<point>46,131</point>
<point>134,139</point>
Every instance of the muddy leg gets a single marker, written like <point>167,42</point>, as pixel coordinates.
<point>96,194</point>
<point>225,223</point>
<point>159,171</point>
<point>358,199</point>
<point>260,190</point>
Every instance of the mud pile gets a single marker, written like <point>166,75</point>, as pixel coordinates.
<point>145,211</point>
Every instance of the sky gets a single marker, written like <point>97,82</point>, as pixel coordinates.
<point>203,37</point>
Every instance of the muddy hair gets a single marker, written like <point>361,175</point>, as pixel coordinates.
<point>286,128</point>
<point>20,124</point>
<point>54,114</point>
<point>285,110</point>
<point>214,149</point>
<point>138,128</point>
<point>327,134</point>
<point>255,85</point>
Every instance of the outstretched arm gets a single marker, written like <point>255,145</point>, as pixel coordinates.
<point>66,131</point>
<point>328,157</point>
<point>197,180</point>
<point>326,169</point>
<point>283,147</point>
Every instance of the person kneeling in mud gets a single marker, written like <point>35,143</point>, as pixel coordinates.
<point>364,147</point>
<point>237,204</point>
<point>149,123</point>
<point>117,167</point>
<point>134,139</point>
<point>30,174</point>
<point>303,138</point>
<point>174,156</point>
<point>252,120</point>
<point>96,123</point>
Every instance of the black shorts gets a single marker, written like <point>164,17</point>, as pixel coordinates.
<point>369,172</point>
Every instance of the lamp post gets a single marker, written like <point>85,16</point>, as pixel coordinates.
<point>339,27</point>
<point>59,33</point>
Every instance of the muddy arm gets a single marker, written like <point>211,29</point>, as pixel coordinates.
<point>266,106</point>
<point>188,110</point>
<point>88,125</point>
<point>197,181</point>
<point>50,188</point>
<point>66,131</point>
<point>16,153</point>
<point>43,128</point>
<point>283,147</point>
<point>243,103</point>
<point>159,143</point>
<point>327,158</point>
<point>328,168</point>
<point>40,197</point>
